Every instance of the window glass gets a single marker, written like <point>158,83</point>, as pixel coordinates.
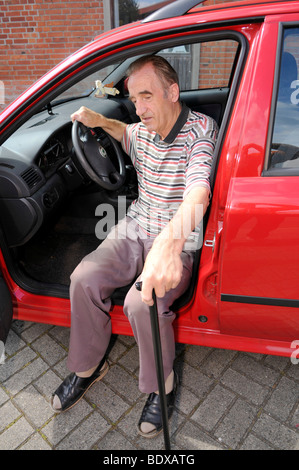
<point>86,86</point>
<point>205,65</point>
<point>285,140</point>
<point>199,66</point>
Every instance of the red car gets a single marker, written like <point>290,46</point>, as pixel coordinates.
<point>237,62</point>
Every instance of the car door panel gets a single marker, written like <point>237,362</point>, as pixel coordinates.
<point>6,310</point>
<point>259,294</point>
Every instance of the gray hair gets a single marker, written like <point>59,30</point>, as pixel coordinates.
<point>163,69</point>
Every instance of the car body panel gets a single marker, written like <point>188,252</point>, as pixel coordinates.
<point>246,295</point>
<point>6,312</point>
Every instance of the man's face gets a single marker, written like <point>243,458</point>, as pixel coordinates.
<point>156,107</point>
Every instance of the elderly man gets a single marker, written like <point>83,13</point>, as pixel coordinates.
<point>171,149</point>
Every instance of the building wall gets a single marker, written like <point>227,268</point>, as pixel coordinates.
<point>36,35</point>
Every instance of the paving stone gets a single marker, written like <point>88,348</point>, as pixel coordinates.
<point>35,442</point>
<point>123,382</point>
<point>125,339</point>
<point>257,371</point>
<point>62,424</point>
<point>130,360</point>
<point>276,433</point>
<point>34,331</point>
<point>61,368</point>
<point>277,362</point>
<point>62,335</point>
<point>16,363</point>
<point>191,437</point>
<point>213,407</point>
<point>34,406</point>
<point>15,435</point>
<point>49,349</point>
<point>14,343</point>
<point>283,399</point>
<point>18,326</point>
<point>81,438</point>
<point>217,361</point>
<point>195,355</point>
<point>226,399</point>
<point>240,384</point>
<point>115,440</point>
<point>116,351</point>
<point>236,423</point>
<point>293,372</point>
<point>197,382</point>
<point>128,425</point>
<point>295,418</point>
<point>186,401</point>
<point>3,396</point>
<point>47,383</point>
<point>107,401</point>
<point>25,376</point>
<point>254,443</point>
<point>8,414</point>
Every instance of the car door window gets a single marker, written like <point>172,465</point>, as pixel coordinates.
<point>203,65</point>
<point>87,85</point>
<point>285,141</point>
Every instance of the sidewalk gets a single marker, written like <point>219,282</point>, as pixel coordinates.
<point>227,399</point>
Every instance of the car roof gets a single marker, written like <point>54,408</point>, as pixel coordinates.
<point>183,7</point>
<point>219,12</point>
<point>174,9</point>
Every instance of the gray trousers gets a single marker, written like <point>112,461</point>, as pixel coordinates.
<point>116,263</point>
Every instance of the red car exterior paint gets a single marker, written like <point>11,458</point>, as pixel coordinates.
<point>246,295</point>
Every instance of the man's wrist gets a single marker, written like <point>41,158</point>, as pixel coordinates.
<point>170,238</point>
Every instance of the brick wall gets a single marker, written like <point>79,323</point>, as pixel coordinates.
<point>35,35</point>
<point>216,63</point>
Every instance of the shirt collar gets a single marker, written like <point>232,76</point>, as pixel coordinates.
<point>181,121</point>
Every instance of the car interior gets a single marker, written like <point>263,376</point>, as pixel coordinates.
<point>53,212</point>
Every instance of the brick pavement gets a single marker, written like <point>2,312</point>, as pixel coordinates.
<point>227,399</point>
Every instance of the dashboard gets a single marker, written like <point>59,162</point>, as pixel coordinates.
<point>56,150</point>
<point>37,169</point>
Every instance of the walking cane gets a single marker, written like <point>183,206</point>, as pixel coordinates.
<point>159,365</point>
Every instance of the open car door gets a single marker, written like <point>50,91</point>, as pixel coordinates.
<point>5,312</point>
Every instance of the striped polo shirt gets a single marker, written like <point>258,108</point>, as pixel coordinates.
<point>168,169</point>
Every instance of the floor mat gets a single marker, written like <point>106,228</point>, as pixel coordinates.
<point>53,258</point>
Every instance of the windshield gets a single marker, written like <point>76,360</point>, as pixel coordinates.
<point>86,86</point>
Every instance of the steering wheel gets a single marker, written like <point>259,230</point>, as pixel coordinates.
<point>94,159</point>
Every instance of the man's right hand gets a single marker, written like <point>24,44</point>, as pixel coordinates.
<point>88,117</point>
<point>92,119</point>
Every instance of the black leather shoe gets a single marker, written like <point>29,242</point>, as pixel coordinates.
<point>73,387</point>
<point>151,412</point>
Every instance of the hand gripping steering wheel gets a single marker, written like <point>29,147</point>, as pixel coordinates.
<point>94,159</point>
